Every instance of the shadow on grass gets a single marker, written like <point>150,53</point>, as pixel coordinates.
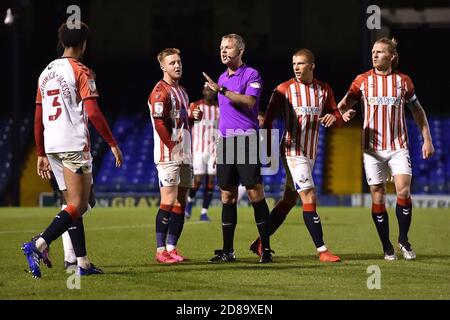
<point>244,264</point>
<point>280,263</point>
<point>374,256</point>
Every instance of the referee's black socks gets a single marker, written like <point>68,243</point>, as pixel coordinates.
<point>229,221</point>
<point>262,216</point>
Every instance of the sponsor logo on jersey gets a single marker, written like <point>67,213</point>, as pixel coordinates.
<point>396,101</point>
<point>305,110</point>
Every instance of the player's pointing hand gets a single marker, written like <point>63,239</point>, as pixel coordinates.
<point>211,84</point>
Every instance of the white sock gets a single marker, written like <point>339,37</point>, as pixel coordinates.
<point>322,248</point>
<point>241,191</point>
<point>204,211</point>
<point>84,262</point>
<point>69,253</point>
<point>41,244</point>
<point>170,247</point>
<point>160,249</point>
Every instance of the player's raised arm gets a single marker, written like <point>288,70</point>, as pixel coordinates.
<point>241,100</point>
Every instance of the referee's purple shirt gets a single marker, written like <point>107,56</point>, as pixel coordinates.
<point>246,81</point>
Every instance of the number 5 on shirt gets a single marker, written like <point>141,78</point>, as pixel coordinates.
<point>55,104</point>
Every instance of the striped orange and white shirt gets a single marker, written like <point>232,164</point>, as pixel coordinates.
<point>170,104</point>
<point>62,88</point>
<point>383,99</point>
<point>205,132</point>
<point>301,105</point>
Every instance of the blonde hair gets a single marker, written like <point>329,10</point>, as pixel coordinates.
<point>392,47</point>
<point>307,53</point>
<point>167,52</point>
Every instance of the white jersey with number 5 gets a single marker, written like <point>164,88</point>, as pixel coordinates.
<point>63,86</point>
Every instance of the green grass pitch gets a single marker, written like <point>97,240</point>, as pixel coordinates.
<point>122,242</point>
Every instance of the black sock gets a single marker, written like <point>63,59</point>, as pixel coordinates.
<point>175,228</point>
<point>404,216</point>
<point>192,192</point>
<point>276,219</point>
<point>229,221</point>
<point>262,216</point>
<point>381,221</point>
<point>162,226</point>
<point>207,197</point>
<point>77,236</point>
<point>312,222</point>
<point>59,225</point>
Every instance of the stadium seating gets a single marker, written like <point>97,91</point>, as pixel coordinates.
<point>138,174</point>
<point>430,176</point>
<point>6,141</point>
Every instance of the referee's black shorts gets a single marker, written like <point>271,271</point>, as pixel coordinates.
<point>238,161</point>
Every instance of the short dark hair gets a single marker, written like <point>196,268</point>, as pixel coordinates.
<point>73,37</point>
<point>59,49</point>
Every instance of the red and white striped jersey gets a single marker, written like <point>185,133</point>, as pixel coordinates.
<point>170,105</point>
<point>204,132</point>
<point>383,100</point>
<point>63,86</point>
<point>301,106</point>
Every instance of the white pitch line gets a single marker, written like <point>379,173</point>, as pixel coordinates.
<point>99,228</point>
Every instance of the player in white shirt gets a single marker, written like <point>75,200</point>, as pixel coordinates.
<point>66,98</point>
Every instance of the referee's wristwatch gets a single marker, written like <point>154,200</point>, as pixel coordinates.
<point>223,89</point>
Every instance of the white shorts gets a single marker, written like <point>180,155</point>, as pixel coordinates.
<point>78,162</point>
<point>172,173</point>
<point>379,165</point>
<point>299,173</point>
<point>204,164</point>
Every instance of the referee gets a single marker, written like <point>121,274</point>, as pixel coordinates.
<point>239,89</point>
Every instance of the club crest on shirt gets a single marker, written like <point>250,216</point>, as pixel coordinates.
<point>303,179</point>
<point>159,107</point>
<point>92,86</point>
